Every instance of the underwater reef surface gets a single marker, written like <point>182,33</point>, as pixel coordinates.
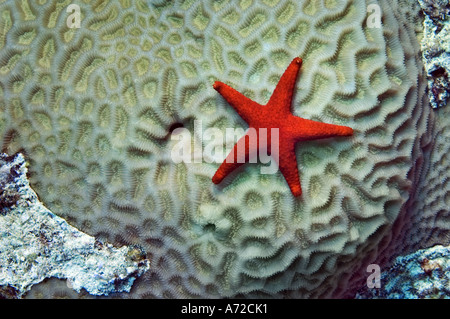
<point>35,244</point>
<point>93,108</point>
<point>424,274</point>
<point>435,47</point>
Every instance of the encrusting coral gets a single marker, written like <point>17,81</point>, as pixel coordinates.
<point>93,108</point>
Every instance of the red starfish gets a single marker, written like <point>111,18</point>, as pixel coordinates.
<point>275,114</point>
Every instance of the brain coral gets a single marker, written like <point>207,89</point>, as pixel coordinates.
<point>93,108</point>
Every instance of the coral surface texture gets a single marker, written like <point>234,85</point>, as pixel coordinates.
<point>93,109</point>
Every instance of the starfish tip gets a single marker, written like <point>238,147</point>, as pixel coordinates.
<point>216,85</point>
<point>348,131</point>
<point>296,191</point>
<point>216,179</point>
<point>298,60</point>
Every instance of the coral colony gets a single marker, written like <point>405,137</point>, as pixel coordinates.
<point>121,110</point>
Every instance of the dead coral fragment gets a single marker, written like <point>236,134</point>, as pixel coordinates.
<point>9,194</point>
<point>36,244</point>
<point>436,49</point>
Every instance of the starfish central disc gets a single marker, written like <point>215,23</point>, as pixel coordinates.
<point>276,114</point>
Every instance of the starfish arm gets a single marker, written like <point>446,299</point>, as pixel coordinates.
<point>245,107</point>
<point>223,171</point>
<point>282,95</point>
<point>239,155</point>
<point>304,129</point>
<point>288,167</point>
